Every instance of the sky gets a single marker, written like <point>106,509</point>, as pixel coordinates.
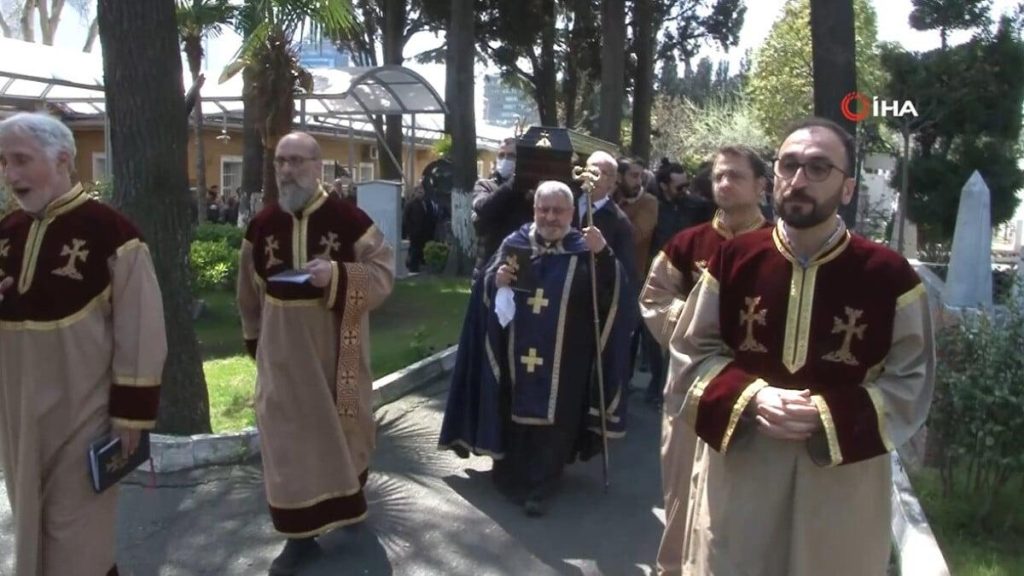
<point>761,14</point>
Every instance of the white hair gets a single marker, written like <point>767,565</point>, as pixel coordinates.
<point>553,188</point>
<point>601,157</point>
<point>50,133</point>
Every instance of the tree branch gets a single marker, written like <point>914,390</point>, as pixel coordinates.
<point>4,27</point>
<point>90,40</point>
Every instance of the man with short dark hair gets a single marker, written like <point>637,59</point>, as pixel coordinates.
<point>311,345</point>
<point>678,209</point>
<point>82,326</point>
<point>737,176</point>
<point>802,359</point>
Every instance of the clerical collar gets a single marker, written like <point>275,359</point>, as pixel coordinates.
<point>838,234</point>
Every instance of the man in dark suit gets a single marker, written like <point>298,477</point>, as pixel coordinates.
<point>608,217</point>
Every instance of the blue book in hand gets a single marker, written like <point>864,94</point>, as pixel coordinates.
<point>106,464</point>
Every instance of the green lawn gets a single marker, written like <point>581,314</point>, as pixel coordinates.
<point>973,547</point>
<point>422,316</point>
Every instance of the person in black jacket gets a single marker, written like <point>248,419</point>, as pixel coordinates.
<point>678,208</point>
<point>498,210</point>
<point>419,221</point>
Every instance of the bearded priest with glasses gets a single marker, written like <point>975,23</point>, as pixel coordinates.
<point>803,357</point>
<point>310,339</point>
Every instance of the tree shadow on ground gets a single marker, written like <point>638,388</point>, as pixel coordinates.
<point>587,531</point>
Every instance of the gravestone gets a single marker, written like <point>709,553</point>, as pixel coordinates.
<point>969,281</point>
<point>382,202</point>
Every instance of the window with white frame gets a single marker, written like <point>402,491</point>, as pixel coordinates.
<point>230,173</point>
<point>99,166</point>
<point>365,172</point>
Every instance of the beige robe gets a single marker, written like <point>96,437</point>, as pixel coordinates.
<point>765,507</point>
<point>314,384</point>
<point>673,275</point>
<point>73,361</point>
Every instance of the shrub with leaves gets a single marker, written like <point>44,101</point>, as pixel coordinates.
<point>227,233</point>
<point>214,265</point>
<point>979,402</point>
<point>436,255</point>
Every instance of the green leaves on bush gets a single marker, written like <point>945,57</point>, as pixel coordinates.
<point>231,235</point>
<point>214,265</point>
<point>979,400</point>
<point>214,256</point>
<point>436,255</point>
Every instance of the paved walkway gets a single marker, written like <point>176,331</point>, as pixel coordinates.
<point>430,513</point>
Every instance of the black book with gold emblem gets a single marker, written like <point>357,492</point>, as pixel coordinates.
<point>519,259</point>
<point>106,464</point>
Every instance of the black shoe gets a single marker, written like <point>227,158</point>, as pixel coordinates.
<point>297,553</point>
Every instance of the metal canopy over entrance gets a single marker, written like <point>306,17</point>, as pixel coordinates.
<point>33,74</point>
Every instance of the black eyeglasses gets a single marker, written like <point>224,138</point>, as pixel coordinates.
<point>295,161</point>
<point>504,155</point>
<point>815,169</point>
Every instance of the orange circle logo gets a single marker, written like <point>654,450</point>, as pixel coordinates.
<point>846,107</point>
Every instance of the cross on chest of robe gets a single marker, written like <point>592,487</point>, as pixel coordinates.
<point>538,301</point>
<point>531,360</point>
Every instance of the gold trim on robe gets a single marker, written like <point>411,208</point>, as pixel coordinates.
<point>38,325</point>
<point>708,371</point>
<point>879,403</point>
<point>137,382</point>
<point>737,410</point>
<point>834,451</point>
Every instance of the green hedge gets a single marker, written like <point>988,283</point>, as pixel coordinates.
<point>214,256</point>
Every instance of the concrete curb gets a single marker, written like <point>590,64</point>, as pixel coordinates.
<point>177,453</point>
<point>915,543</point>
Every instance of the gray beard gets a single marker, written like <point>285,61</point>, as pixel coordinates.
<point>293,197</point>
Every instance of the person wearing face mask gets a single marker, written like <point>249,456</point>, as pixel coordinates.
<point>498,210</point>
<point>82,326</point>
<point>806,359</point>
<point>311,345</point>
<point>522,391</point>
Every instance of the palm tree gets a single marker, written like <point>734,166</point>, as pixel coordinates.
<point>272,67</point>
<point>198,20</point>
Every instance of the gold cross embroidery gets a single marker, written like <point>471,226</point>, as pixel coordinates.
<point>750,316</point>
<point>269,249</point>
<point>356,298</point>
<point>531,360</point>
<point>350,337</point>
<point>538,301</point>
<point>330,244</point>
<point>74,254</point>
<point>348,378</point>
<point>848,329</point>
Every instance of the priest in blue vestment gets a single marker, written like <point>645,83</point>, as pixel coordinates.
<point>524,390</point>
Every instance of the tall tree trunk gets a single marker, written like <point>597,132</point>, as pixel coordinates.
<point>49,18</point>
<point>28,29</point>
<point>277,87</point>
<point>643,87</point>
<point>193,48</point>
<point>546,73</point>
<point>252,143</point>
<point>90,39</point>
<point>393,32</point>
<point>459,69</point>
<point>571,81</point>
<point>148,138</point>
<point>835,72</point>
<point>613,65</point>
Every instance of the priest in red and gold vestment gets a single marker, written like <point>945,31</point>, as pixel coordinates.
<point>83,349</point>
<point>312,349</point>
<point>738,181</point>
<point>803,357</point>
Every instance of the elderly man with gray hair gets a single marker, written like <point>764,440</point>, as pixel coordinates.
<point>522,391</point>
<point>81,320</point>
